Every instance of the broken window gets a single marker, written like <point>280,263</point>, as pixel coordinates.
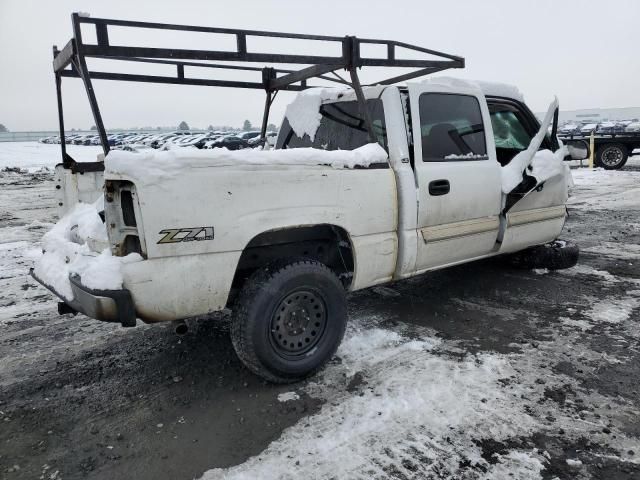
<point>509,131</point>
<point>341,128</point>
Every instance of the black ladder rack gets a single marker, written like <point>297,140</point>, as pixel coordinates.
<point>71,62</point>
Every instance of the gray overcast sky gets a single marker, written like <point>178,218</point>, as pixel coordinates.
<point>586,52</point>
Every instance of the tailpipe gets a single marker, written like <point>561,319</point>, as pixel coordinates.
<point>180,327</point>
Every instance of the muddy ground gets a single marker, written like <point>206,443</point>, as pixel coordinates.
<point>83,399</point>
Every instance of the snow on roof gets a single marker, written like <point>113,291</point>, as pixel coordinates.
<point>488,88</point>
<point>500,90</point>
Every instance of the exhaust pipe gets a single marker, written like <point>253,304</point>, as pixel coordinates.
<point>180,327</point>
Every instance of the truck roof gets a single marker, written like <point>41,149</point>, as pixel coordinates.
<point>332,94</point>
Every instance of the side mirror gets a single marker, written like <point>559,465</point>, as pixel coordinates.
<point>578,149</point>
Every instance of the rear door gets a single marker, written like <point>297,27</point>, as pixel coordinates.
<point>457,174</point>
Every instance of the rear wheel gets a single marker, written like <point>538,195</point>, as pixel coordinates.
<point>289,320</point>
<point>612,157</point>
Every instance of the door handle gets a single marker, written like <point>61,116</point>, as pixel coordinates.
<point>439,187</point>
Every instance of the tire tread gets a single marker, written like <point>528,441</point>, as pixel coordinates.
<point>242,317</point>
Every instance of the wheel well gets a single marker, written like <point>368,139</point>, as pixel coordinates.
<point>328,244</point>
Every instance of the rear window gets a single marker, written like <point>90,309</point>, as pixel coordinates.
<point>341,128</point>
<point>451,128</point>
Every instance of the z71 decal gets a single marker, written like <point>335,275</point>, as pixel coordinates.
<point>177,235</point>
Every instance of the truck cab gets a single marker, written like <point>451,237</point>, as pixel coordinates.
<point>448,141</point>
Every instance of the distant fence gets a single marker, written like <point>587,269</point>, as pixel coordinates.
<point>24,136</point>
<point>35,136</point>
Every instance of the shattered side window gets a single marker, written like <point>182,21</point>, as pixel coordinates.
<point>508,131</point>
<point>511,131</point>
<point>341,128</point>
<point>451,127</point>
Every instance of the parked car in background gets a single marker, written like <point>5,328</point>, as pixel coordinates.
<point>588,128</point>
<point>610,127</point>
<point>569,129</point>
<point>179,138</point>
<point>248,135</point>
<point>270,137</point>
<point>633,127</point>
<point>230,142</point>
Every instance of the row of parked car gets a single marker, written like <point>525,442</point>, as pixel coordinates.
<point>180,138</point>
<point>623,126</point>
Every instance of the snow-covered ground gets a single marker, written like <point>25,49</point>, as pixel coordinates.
<point>421,410</point>
<point>402,400</point>
<point>35,155</point>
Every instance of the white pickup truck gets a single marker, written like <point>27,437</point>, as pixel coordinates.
<point>366,185</point>
<point>280,236</point>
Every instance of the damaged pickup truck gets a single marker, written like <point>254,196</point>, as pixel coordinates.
<point>366,185</point>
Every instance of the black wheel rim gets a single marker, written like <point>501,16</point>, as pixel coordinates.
<point>612,156</point>
<point>298,323</point>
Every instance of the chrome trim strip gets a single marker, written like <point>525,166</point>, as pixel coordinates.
<point>465,228</point>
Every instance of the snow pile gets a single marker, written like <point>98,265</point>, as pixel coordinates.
<point>526,464</point>
<point>487,88</point>
<point>67,249</point>
<point>150,167</point>
<point>417,414</point>
<point>304,112</point>
<point>288,397</point>
<point>540,164</point>
<point>546,164</point>
<point>614,310</point>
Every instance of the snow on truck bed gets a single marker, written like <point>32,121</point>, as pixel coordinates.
<point>154,165</point>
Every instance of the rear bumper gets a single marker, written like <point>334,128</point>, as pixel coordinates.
<point>106,305</point>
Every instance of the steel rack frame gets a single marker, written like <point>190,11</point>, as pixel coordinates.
<point>71,62</point>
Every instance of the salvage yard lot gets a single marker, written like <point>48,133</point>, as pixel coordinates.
<point>474,372</point>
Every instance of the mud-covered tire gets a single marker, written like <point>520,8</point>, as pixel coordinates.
<point>289,320</point>
<point>554,256</point>
<point>612,156</point>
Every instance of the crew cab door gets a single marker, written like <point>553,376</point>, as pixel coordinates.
<point>457,174</point>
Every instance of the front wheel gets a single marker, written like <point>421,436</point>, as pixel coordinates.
<point>612,157</point>
<point>289,320</point>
